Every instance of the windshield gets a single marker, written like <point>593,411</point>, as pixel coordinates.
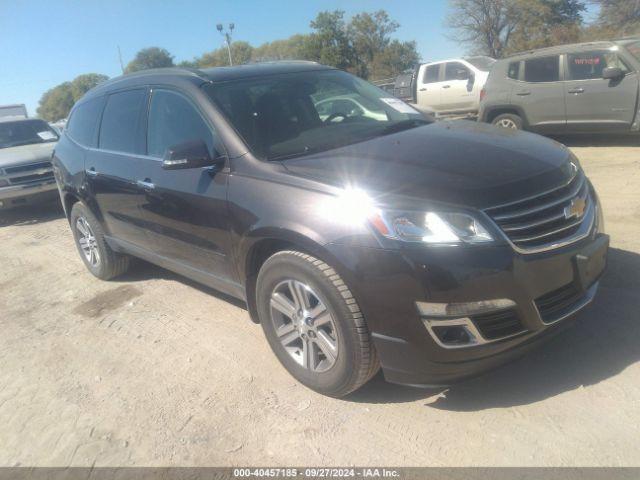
<point>25,132</point>
<point>634,49</point>
<point>281,116</point>
<point>481,63</point>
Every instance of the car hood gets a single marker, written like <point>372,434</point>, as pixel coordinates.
<point>458,162</point>
<point>37,152</point>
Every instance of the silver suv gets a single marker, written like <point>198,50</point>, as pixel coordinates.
<point>586,87</point>
<point>26,175</point>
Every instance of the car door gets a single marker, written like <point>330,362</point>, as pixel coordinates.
<point>113,167</point>
<point>429,88</point>
<point>185,210</point>
<point>540,94</point>
<point>594,103</point>
<point>457,88</point>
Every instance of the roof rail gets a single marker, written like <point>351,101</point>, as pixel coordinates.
<point>556,47</point>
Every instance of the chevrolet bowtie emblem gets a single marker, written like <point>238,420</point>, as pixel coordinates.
<point>575,209</point>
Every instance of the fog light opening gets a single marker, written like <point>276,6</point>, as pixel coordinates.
<point>454,335</point>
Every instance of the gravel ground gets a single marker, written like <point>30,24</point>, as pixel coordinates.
<point>153,369</point>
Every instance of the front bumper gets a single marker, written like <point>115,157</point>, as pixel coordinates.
<point>18,195</point>
<point>388,283</point>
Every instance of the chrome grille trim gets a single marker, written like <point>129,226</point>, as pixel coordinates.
<point>547,234</point>
<point>575,191</point>
<point>524,226</point>
<point>27,168</point>
<point>526,223</point>
<point>29,173</point>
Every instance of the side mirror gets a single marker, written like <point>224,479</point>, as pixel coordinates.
<point>612,73</point>
<point>191,154</point>
<point>471,81</point>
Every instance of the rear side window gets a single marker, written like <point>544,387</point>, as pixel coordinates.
<point>514,70</point>
<point>543,69</point>
<point>634,49</point>
<point>120,129</point>
<point>84,120</point>
<point>174,120</point>
<point>455,71</point>
<point>431,74</point>
<point>589,65</point>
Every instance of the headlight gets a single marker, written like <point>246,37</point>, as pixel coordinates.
<point>431,227</point>
<point>354,207</point>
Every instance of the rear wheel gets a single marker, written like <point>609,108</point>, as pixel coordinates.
<point>508,120</point>
<point>314,324</point>
<point>96,254</point>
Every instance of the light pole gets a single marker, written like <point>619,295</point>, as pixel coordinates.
<point>227,36</point>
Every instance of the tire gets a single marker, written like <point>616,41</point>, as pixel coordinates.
<point>100,260</point>
<point>508,120</point>
<point>337,371</point>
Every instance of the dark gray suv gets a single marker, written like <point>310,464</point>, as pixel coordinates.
<point>587,87</point>
<point>359,238</point>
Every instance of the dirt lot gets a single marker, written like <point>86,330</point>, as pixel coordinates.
<point>155,370</point>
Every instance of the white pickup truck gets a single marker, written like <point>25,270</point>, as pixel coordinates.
<point>448,87</point>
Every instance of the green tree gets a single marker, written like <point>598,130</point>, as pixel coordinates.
<point>377,54</point>
<point>395,58</point>
<point>56,103</point>
<point>363,46</point>
<point>83,83</point>
<point>499,27</point>
<point>151,57</point>
<point>287,49</point>
<point>618,18</point>
<point>370,36</point>
<point>329,44</point>
<point>240,53</point>
<point>544,23</point>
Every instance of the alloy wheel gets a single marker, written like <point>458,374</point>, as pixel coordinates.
<point>87,241</point>
<point>507,123</point>
<point>304,326</point>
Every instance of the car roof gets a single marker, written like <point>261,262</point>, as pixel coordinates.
<point>16,118</point>
<point>559,49</point>
<point>177,75</point>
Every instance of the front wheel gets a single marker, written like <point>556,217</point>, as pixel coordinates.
<point>314,324</point>
<point>96,254</point>
<point>508,120</point>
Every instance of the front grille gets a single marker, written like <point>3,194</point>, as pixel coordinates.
<point>27,168</point>
<point>25,174</point>
<point>557,303</point>
<point>495,325</point>
<point>539,222</point>
<point>36,177</point>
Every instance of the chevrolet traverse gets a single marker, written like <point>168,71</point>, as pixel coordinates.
<point>359,238</point>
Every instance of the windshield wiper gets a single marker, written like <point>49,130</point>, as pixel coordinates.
<point>285,156</point>
<point>404,125</point>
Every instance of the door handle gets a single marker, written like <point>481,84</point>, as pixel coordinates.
<point>422,89</point>
<point>446,86</point>
<point>576,90</point>
<point>92,172</point>
<point>523,94</point>
<point>146,184</point>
